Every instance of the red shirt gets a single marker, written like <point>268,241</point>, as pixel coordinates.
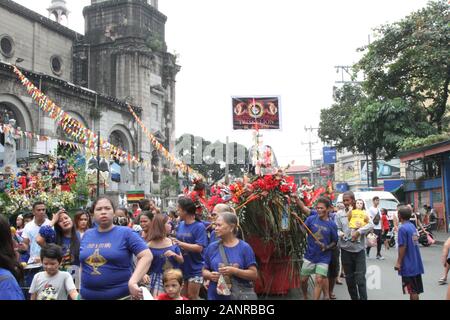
<point>385,221</point>
<point>165,296</point>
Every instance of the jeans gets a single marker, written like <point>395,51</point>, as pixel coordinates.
<point>354,264</point>
<point>379,243</point>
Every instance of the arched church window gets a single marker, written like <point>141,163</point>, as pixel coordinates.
<point>7,112</point>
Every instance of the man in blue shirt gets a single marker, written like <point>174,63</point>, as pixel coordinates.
<point>409,263</point>
<point>318,253</point>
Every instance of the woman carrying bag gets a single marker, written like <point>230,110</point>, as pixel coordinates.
<point>230,263</point>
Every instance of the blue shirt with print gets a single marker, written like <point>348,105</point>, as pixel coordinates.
<point>106,261</point>
<point>326,232</point>
<point>194,233</point>
<point>242,255</point>
<point>412,262</point>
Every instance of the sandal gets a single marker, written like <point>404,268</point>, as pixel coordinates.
<point>442,281</point>
<point>339,282</point>
<point>332,296</point>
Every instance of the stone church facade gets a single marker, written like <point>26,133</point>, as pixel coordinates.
<point>122,57</point>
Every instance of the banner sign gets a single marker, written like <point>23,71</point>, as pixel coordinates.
<point>261,113</point>
<point>329,155</point>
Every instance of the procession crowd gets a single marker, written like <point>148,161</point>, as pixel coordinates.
<point>110,253</point>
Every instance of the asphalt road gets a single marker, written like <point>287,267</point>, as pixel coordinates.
<point>384,283</point>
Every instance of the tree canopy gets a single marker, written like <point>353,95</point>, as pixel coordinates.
<point>405,92</point>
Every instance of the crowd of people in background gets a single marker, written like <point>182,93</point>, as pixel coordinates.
<point>113,253</point>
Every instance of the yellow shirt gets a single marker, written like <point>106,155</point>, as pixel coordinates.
<point>357,220</point>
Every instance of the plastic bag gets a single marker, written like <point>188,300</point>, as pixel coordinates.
<point>372,240</point>
<point>222,287</point>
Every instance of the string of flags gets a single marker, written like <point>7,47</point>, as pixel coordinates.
<point>180,165</point>
<point>71,126</point>
<point>84,136</point>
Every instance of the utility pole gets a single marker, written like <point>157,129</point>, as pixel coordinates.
<point>227,162</point>
<point>98,165</point>
<point>310,144</point>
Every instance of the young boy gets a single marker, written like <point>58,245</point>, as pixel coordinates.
<point>52,284</point>
<point>409,263</point>
<point>173,284</point>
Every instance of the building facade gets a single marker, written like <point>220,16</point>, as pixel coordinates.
<point>351,173</point>
<point>122,57</point>
<point>428,179</point>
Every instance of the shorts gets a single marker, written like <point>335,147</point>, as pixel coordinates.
<point>334,267</point>
<point>412,285</point>
<point>309,268</point>
<point>196,279</point>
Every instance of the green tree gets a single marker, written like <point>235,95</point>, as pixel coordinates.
<point>336,121</point>
<point>201,155</point>
<point>358,123</point>
<point>169,183</point>
<point>410,59</point>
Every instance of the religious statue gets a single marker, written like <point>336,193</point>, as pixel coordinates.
<point>10,153</point>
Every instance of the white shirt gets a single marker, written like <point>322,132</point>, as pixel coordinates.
<point>31,231</point>
<point>372,213</point>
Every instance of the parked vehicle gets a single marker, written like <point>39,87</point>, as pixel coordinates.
<point>387,200</point>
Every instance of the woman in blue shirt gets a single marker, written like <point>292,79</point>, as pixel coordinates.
<point>166,254</point>
<point>64,234</point>
<point>10,270</point>
<point>192,239</point>
<point>240,256</point>
<point>106,258</point>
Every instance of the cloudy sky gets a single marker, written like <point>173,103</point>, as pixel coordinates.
<point>261,47</point>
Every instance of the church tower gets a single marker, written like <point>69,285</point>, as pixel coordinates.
<point>58,10</point>
<point>128,59</point>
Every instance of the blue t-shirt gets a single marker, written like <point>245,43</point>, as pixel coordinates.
<point>9,288</point>
<point>412,262</point>
<point>106,261</point>
<point>325,232</point>
<point>241,254</point>
<point>194,233</point>
<point>49,234</point>
<point>161,263</point>
<point>68,259</point>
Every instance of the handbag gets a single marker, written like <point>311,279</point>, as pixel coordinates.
<point>239,290</point>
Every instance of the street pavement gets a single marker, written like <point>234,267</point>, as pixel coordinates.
<point>383,281</point>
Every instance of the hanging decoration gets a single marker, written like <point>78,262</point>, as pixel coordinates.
<point>70,125</point>
<point>180,165</point>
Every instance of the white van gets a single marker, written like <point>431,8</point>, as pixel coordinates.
<point>387,200</point>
